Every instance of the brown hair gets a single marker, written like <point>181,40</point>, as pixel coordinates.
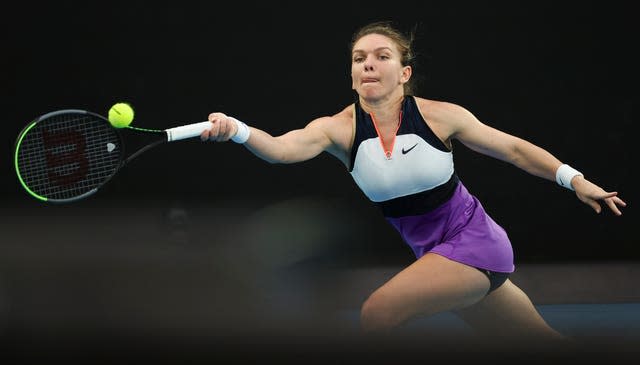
<point>403,41</point>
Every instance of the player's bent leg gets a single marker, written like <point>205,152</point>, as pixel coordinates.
<point>430,285</point>
<point>508,313</point>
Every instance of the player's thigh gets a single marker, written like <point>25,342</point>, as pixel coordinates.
<point>431,284</point>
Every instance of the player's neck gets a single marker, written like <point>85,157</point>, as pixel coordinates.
<point>385,111</point>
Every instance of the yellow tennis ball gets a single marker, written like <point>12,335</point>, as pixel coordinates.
<point>121,115</point>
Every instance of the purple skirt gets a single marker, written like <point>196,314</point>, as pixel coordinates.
<point>460,230</point>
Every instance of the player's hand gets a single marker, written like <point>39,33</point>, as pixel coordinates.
<point>592,195</point>
<point>222,128</point>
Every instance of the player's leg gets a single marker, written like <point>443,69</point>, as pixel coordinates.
<point>430,285</point>
<point>507,313</point>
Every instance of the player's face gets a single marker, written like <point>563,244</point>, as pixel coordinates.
<point>376,68</point>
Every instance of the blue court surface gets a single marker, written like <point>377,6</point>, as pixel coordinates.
<point>605,321</point>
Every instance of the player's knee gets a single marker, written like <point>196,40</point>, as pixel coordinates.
<point>377,314</point>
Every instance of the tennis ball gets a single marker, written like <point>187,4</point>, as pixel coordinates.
<point>121,115</point>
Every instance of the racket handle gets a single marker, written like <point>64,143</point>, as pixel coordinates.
<point>187,131</point>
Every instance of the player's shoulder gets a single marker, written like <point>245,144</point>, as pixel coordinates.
<point>346,115</point>
<point>338,127</point>
<point>342,117</point>
<point>439,110</point>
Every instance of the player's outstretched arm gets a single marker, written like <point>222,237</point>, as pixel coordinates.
<point>294,146</point>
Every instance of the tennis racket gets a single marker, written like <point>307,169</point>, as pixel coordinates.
<point>67,155</point>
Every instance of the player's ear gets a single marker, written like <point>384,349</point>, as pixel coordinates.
<point>406,74</point>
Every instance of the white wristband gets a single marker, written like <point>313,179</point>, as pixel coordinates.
<point>564,174</point>
<point>242,135</point>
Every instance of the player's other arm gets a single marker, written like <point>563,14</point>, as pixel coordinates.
<point>525,155</point>
<point>489,141</point>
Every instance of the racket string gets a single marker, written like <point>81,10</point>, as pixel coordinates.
<point>100,155</point>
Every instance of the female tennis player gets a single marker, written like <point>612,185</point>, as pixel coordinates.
<point>398,149</point>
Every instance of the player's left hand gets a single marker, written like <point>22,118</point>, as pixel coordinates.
<point>591,194</point>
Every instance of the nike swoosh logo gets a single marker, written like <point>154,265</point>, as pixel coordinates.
<point>404,152</point>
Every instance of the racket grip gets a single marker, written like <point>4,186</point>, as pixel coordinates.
<point>187,131</point>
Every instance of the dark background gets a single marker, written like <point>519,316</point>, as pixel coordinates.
<point>565,78</point>
<point>561,76</point>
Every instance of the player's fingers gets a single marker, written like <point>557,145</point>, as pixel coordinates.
<point>213,117</point>
<point>613,204</point>
<point>204,136</point>
<point>619,201</point>
<point>607,195</point>
<point>613,207</point>
<point>594,204</point>
<point>222,131</point>
<point>213,132</point>
<point>231,130</point>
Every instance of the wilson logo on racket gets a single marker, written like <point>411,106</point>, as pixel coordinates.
<point>65,156</point>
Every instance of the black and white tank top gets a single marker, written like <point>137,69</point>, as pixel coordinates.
<point>413,175</point>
